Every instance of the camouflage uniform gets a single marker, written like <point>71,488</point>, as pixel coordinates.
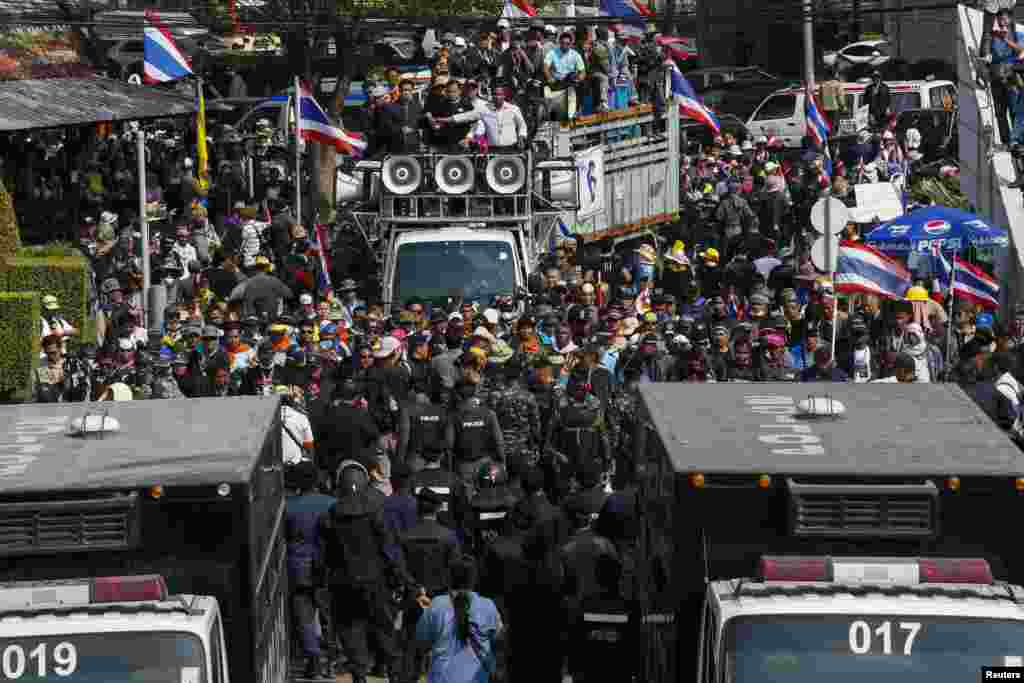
<point>622,421</point>
<point>519,416</point>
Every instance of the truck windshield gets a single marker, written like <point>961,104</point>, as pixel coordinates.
<point>110,657</point>
<point>855,648</point>
<point>434,271</point>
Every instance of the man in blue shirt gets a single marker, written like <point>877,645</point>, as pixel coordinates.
<point>1007,45</point>
<point>563,68</point>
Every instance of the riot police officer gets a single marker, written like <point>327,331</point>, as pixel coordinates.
<point>488,506</point>
<point>361,565</point>
<point>575,432</point>
<point>517,412</point>
<point>473,434</point>
<point>603,630</point>
<point>421,430</point>
<point>430,549</point>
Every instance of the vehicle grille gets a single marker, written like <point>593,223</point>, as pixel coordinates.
<point>107,523</point>
<point>881,515</point>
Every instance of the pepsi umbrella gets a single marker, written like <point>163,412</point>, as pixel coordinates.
<point>953,229</point>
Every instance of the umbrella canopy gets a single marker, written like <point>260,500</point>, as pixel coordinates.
<point>953,229</point>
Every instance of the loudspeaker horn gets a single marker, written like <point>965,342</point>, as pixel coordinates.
<point>506,174</point>
<point>402,174</point>
<point>454,174</point>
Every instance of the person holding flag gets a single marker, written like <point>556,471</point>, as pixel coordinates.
<point>315,126</point>
<point>819,129</point>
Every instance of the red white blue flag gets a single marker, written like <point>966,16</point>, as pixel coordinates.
<point>689,103</point>
<point>633,14</point>
<point>861,268</point>
<point>161,59</point>
<point>818,126</point>
<point>969,282</point>
<point>314,125</point>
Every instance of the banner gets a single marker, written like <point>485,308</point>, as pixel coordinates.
<point>590,174</point>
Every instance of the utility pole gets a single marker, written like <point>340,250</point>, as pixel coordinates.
<point>809,43</point>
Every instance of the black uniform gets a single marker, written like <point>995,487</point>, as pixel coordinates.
<point>441,481</point>
<point>361,566</point>
<point>575,433</point>
<point>473,434</point>
<point>421,432</point>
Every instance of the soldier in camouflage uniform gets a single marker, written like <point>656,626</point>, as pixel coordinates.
<point>622,421</point>
<point>517,410</point>
<point>577,431</point>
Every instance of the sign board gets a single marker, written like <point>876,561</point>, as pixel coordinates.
<point>590,172</point>
<point>876,201</point>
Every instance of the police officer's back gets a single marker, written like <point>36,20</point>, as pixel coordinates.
<point>361,566</point>
<point>422,428</point>
<point>430,547</point>
<point>489,506</point>
<point>518,412</point>
<point>473,433</point>
<point>603,632</point>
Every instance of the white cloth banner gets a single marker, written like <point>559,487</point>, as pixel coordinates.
<point>590,173</point>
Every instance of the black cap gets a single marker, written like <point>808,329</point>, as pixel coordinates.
<point>430,498</point>
<point>400,472</point>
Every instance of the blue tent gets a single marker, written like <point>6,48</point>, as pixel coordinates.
<point>917,231</point>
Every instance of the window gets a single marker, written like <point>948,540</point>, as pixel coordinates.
<point>943,97</point>
<point>216,652</point>
<point>776,107</point>
<point>438,270</point>
<point>903,101</point>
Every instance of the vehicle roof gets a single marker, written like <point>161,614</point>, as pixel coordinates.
<point>725,69</point>
<point>888,429</point>
<point>174,442</point>
<point>446,234</point>
<point>992,602</point>
<point>167,616</point>
<point>876,41</point>
<point>894,86</point>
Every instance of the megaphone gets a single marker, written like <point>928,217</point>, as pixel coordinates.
<point>401,174</point>
<point>506,174</point>
<point>454,174</point>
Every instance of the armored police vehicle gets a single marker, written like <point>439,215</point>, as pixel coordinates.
<point>790,535</point>
<point>143,541</point>
<point>474,225</point>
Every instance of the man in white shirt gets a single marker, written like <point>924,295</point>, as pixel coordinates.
<point>184,250</point>
<point>503,123</point>
<point>53,323</point>
<point>297,440</point>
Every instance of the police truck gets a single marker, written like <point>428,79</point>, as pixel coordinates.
<point>849,531</point>
<point>143,541</point>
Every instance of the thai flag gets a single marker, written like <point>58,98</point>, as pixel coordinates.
<point>314,125</point>
<point>518,9</point>
<point>689,104</point>
<point>162,60</point>
<point>322,245</point>
<point>633,14</point>
<point>817,125</point>
<point>974,284</point>
<point>940,267</point>
<point>860,268</point>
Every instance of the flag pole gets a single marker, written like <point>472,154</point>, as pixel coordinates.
<point>952,308</point>
<point>140,152</point>
<point>298,153</point>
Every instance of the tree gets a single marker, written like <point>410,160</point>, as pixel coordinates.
<point>10,237</point>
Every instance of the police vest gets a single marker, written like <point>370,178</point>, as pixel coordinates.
<point>428,427</point>
<point>471,437</point>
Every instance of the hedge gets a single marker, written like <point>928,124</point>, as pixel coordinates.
<point>19,340</point>
<point>64,277</point>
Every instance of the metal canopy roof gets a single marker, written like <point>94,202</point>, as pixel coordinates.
<point>888,430</point>
<point>173,443</point>
<point>58,102</point>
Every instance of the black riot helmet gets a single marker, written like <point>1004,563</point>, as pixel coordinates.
<point>352,479</point>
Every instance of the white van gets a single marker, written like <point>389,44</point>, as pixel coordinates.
<point>782,113</point>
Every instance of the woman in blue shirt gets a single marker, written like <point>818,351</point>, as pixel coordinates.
<point>461,629</point>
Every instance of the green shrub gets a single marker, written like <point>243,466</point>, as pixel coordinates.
<point>10,238</point>
<point>49,250</point>
<point>64,277</point>
<point>19,340</point>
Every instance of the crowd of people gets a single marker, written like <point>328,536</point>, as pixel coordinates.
<point>465,470</point>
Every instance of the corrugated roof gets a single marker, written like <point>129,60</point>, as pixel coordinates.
<point>57,102</point>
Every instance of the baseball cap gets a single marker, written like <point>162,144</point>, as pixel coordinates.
<point>491,315</point>
<point>305,299</point>
<point>211,332</point>
<point>504,23</point>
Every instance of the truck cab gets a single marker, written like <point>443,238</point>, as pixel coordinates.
<point>878,483</point>
<point>906,619</point>
<point>119,628</point>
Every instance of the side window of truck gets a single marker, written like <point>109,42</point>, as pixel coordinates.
<point>216,653</point>
<point>776,107</point>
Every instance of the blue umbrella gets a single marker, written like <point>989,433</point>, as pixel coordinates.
<point>953,229</point>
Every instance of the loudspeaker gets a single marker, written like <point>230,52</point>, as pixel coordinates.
<point>401,174</point>
<point>454,174</point>
<point>506,174</point>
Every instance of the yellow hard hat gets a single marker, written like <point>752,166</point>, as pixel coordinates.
<point>916,294</point>
<point>710,254</point>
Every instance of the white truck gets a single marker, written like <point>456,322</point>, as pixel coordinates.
<point>449,226</point>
